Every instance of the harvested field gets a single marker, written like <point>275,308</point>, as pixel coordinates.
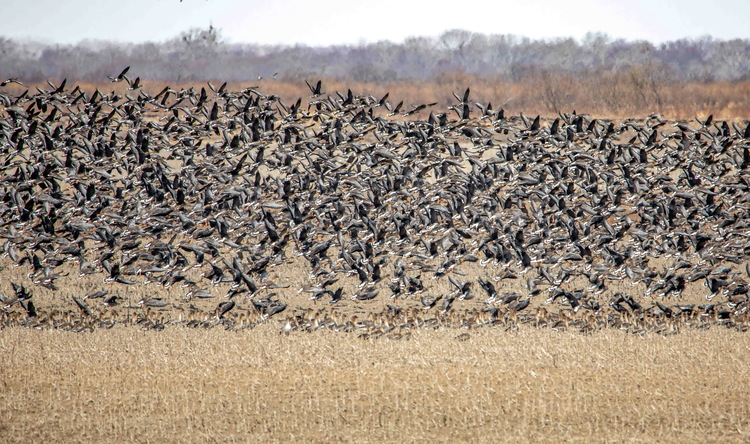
<point>350,267</point>
<point>531,386</point>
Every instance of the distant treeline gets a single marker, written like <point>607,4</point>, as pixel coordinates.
<point>202,54</point>
<point>599,74</point>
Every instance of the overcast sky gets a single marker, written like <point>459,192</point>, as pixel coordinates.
<point>325,22</point>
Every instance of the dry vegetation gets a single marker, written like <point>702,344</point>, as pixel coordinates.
<point>605,95</point>
<point>184,385</point>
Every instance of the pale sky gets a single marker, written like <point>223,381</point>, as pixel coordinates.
<point>325,22</point>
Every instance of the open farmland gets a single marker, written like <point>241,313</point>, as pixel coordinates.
<point>343,265</point>
<point>531,386</point>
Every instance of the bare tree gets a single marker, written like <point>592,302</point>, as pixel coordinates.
<point>202,53</point>
<point>455,40</point>
<point>555,89</point>
<point>648,80</point>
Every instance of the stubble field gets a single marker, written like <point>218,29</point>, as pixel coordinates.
<point>183,385</point>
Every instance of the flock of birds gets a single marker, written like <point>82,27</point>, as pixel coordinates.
<point>464,218</point>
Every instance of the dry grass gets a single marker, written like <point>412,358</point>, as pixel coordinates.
<point>202,386</point>
<point>607,98</point>
<point>603,95</point>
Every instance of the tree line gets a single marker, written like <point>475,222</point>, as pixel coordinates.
<point>203,54</point>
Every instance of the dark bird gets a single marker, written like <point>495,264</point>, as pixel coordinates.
<point>84,309</point>
<point>428,304</point>
<point>316,89</point>
<point>120,77</point>
<point>224,307</point>
<point>521,305</point>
